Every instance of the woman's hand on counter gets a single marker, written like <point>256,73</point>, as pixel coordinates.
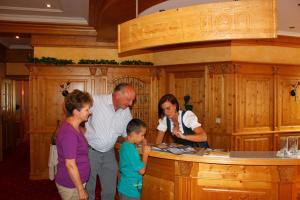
<point>178,134</point>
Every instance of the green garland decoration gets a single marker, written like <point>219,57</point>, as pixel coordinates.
<point>135,62</point>
<point>102,61</point>
<point>50,60</point>
<point>55,61</point>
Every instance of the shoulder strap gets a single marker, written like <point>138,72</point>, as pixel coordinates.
<point>168,125</point>
<point>186,130</point>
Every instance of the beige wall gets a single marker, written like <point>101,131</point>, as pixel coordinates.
<point>251,53</point>
<point>259,54</point>
<point>266,54</point>
<point>196,55</point>
<point>16,69</point>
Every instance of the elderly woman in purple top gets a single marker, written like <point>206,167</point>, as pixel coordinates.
<point>73,163</point>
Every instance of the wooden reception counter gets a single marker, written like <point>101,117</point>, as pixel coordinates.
<point>243,175</point>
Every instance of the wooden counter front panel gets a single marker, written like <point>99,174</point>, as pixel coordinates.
<point>158,182</point>
<point>220,182</point>
<point>263,142</point>
<point>182,180</point>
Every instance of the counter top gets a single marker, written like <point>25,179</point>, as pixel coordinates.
<point>235,158</point>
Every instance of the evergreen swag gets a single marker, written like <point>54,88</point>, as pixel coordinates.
<point>51,60</point>
<point>135,62</point>
<point>102,61</point>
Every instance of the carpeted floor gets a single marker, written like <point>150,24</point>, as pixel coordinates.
<point>14,179</point>
<point>15,183</point>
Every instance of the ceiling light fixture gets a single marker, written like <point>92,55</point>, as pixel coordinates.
<point>17,37</point>
<point>48,5</point>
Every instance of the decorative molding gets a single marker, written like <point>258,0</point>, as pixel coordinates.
<point>274,70</point>
<point>20,46</point>
<point>286,173</point>
<point>104,71</point>
<point>49,29</point>
<point>156,73</point>
<point>14,8</point>
<point>224,68</point>
<point>33,71</point>
<point>69,41</point>
<point>236,68</point>
<point>44,19</point>
<point>185,168</point>
<point>211,70</point>
<point>93,70</point>
<point>289,33</point>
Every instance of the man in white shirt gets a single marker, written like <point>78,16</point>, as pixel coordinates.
<point>110,116</point>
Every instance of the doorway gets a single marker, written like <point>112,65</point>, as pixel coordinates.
<point>15,114</point>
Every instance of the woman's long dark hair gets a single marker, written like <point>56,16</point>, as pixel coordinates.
<point>168,97</point>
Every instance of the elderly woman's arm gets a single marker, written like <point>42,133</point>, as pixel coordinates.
<point>75,177</point>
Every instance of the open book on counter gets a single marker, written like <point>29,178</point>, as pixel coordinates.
<point>179,149</point>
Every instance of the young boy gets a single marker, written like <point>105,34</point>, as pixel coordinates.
<point>131,166</point>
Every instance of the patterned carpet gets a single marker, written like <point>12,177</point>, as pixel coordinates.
<point>15,183</point>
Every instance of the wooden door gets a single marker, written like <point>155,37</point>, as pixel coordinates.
<point>8,110</point>
<point>191,84</point>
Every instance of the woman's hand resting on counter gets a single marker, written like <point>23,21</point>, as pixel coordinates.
<point>178,133</point>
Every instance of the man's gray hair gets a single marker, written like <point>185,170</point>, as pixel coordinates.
<point>121,87</point>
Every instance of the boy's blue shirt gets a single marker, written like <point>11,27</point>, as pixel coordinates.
<point>130,183</point>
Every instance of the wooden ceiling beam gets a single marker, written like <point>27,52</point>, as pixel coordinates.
<point>69,41</point>
<point>49,29</point>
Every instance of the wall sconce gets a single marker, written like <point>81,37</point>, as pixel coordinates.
<point>187,105</point>
<point>64,88</point>
<point>293,91</point>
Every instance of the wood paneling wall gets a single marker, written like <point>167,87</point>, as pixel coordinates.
<point>46,100</point>
<point>242,106</point>
<point>18,55</point>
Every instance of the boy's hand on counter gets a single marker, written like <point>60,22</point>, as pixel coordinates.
<point>144,142</point>
<point>146,149</point>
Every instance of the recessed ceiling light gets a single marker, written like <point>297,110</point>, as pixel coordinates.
<point>17,37</point>
<point>48,5</point>
<point>292,27</point>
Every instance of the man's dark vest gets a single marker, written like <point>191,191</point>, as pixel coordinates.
<point>186,131</point>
